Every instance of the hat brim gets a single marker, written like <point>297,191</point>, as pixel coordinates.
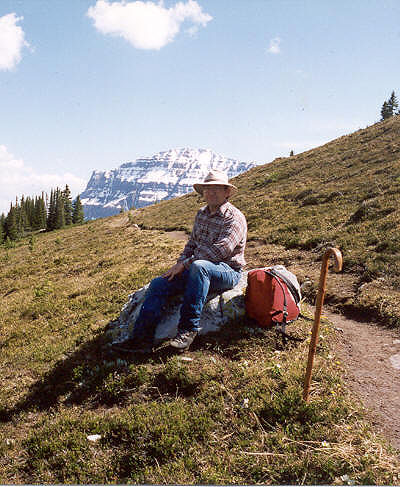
<point>200,186</point>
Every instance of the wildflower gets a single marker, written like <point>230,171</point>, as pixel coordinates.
<point>325,444</point>
<point>94,438</point>
<point>347,479</point>
<point>245,403</point>
<point>186,359</point>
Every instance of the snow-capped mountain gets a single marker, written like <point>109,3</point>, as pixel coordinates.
<point>150,179</point>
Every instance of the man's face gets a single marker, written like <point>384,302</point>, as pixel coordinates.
<point>215,194</point>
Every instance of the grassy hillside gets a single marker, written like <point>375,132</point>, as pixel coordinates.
<point>230,411</point>
<point>345,193</point>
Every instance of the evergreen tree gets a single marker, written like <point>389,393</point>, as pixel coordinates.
<point>393,103</point>
<point>51,216</point>
<point>2,228</point>
<point>30,212</point>
<point>43,210</point>
<point>389,107</point>
<point>59,213</point>
<point>385,111</point>
<point>67,205</point>
<point>40,213</point>
<point>77,215</point>
<point>11,224</point>
<point>22,220</point>
<point>36,215</point>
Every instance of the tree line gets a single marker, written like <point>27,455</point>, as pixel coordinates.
<point>40,213</point>
<point>390,107</point>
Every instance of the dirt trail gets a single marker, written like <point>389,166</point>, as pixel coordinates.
<point>371,357</point>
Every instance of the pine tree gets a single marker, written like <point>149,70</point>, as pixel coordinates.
<point>22,220</point>
<point>51,216</point>
<point>385,111</point>
<point>40,213</point>
<point>389,107</point>
<point>2,228</point>
<point>30,212</point>
<point>36,215</point>
<point>67,205</point>
<point>393,103</point>
<point>59,214</point>
<point>77,215</point>
<point>11,224</point>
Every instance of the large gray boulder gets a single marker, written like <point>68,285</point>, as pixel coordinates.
<point>219,310</point>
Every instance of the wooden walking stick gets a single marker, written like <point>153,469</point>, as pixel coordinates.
<point>318,310</point>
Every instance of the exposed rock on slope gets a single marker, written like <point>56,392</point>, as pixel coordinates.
<point>219,310</point>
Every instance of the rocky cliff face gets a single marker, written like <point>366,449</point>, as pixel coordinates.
<point>145,181</point>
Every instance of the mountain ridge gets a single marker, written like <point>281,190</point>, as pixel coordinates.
<point>146,180</point>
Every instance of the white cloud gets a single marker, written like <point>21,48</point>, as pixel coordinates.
<point>17,179</point>
<point>12,41</point>
<point>146,25</point>
<point>274,46</point>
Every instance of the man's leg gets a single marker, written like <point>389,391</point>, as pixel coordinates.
<point>160,289</point>
<point>203,277</point>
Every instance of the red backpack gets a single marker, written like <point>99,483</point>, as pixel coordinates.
<point>272,297</point>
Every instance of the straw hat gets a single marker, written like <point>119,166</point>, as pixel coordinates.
<point>215,177</point>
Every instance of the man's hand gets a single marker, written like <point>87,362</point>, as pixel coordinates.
<point>175,270</point>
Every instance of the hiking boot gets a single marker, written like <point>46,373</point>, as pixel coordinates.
<point>183,340</point>
<point>133,346</point>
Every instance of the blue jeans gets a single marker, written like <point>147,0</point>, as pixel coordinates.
<point>201,278</point>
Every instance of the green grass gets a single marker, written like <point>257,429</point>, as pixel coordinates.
<point>233,412</point>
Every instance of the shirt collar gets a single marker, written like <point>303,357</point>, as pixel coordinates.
<point>221,209</point>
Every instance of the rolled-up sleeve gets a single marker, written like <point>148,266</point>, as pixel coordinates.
<point>190,246</point>
<point>188,250</point>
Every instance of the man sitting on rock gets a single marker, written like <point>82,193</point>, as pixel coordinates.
<point>210,262</point>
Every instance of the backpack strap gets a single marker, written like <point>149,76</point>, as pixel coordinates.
<point>281,327</point>
<point>284,311</point>
<point>289,284</point>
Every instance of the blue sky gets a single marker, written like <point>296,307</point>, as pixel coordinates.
<point>87,84</point>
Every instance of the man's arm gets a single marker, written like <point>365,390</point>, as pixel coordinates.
<point>184,260</point>
<point>190,246</point>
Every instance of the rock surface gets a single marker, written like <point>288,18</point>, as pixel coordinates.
<point>219,310</point>
<point>147,180</point>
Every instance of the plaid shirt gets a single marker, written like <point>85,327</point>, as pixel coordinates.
<point>220,237</point>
